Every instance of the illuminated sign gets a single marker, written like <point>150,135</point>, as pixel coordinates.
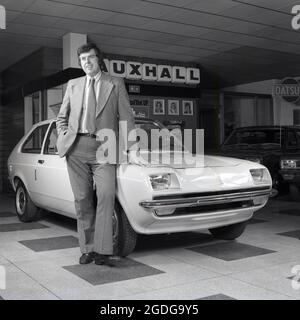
<point>152,72</point>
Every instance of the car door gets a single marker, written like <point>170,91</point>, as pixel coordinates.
<point>52,177</point>
<point>28,160</point>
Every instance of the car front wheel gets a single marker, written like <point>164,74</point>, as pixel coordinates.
<point>26,210</point>
<point>230,232</point>
<point>124,237</point>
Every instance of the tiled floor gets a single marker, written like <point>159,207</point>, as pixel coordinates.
<point>40,260</point>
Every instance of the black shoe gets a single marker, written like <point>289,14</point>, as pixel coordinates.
<point>87,258</point>
<point>107,260</point>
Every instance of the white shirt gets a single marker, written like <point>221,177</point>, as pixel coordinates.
<point>82,129</point>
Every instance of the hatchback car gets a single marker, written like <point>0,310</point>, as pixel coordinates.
<point>220,195</point>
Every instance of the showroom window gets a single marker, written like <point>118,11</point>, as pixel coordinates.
<point>244,111</point>
<point>296,117</point>
<point>42,105</point>
<point>54,100</point>
<point>33,112</point>
<point>291,139</point>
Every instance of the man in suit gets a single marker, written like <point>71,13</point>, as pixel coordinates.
<point>93,103</point>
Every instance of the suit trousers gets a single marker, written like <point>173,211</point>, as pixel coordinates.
<point>94,221</point>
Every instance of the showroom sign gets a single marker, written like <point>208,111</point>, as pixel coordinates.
<point>151,72</point>
<point>2,17</point>
<point>296,18</point>
<point>288,89</point>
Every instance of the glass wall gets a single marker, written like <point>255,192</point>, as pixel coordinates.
<point>244,111</point>
<point>32,110</point>
<point>54,100</point>
<point>42,105</point>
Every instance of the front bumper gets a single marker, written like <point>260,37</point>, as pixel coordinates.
<point>206,200</point>
<point>193,212</point>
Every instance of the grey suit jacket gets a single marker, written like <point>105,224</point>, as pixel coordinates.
<point>113,106</point>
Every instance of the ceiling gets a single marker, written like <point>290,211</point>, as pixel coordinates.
<point>236,41</point>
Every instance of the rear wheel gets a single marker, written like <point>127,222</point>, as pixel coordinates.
<point>294,192</point>
<point>124,236</point>
<point>230,232</point>
<point>26,210</point>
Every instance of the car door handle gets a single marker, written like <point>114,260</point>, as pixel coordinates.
<point>41,161</point>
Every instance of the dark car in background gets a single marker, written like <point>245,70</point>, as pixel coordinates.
<point>268,145</point>
<point>290,172</point>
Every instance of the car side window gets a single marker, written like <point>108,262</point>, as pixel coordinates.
<point>50,144</point>
<point>291,139</point>
<point>34,142</point>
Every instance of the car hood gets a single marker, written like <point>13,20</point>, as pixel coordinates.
<point>292,156</point>
<point>181,160</point>
<point>216,174</point>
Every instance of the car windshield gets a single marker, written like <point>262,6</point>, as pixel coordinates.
<point>265,137</point>
<point>146,143</point>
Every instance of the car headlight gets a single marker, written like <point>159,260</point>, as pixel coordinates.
<point>260,175</point>
<point>163,181</point>
<point>288,164</point>
<point>254,159</point>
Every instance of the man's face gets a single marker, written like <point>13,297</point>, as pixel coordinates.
<point>89,63</point>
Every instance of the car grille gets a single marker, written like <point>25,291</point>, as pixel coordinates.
<point>213,208</point>
<point>205,202</point>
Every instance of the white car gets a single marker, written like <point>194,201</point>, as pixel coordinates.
<point>221,195</point>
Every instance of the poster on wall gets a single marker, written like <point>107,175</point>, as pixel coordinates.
<point>173,107</point>
<point>176,127</point>
<point>140,111</point>
<point>159,106</point>
<point>187,107</point>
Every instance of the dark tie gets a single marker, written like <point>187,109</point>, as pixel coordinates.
<point>91,108</point>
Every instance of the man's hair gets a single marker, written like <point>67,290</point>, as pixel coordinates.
<point>86,48</point>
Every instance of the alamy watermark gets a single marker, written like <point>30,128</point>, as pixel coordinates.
<point>2,17</point>
<point>2,278</point>
<point>296,19</point>
<point>159,146</point>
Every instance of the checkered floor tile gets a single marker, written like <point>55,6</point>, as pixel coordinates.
<point>230,251</point>
<point>124,270</point>
<point>5,214</point>
<point>292,234</point>
<point>255,220</point>
<point>292,212</point>
<point>8,227</point>
<point>54,243</point>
